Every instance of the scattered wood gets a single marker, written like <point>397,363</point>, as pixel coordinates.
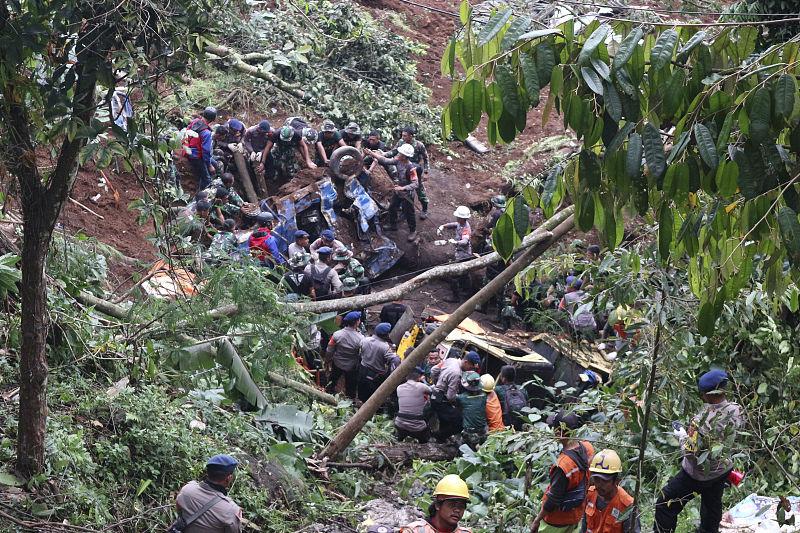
<point>76,202</point>
<point>114,191</point>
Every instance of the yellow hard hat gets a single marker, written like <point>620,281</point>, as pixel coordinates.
<point>487,383</point>
<point>606,462</point>
<point>452,486</point>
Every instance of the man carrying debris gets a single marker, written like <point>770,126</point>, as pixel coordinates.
<point>343,353</point>
<point>450,499</point>
<point>199,147</point>
<point>609,508</point>
<point>204,506</point>
<point>406,182</point>
<point>325,281</point>
<point>374,143</point>
<point>420,160</point>
<point>255,142</point>
<point>461,241</point>
<point>705,467</point>
<point>328,141</point>
<point>377,361</point>
<point>472,403</point>
<point>283,148</point>
<point>564,500</point>
<point>413,397</point>
<point>351,135</point>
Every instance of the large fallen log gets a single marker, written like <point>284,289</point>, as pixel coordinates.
<point>395,455</point>
<point>353,426</point>
<point>236,60</point>
<point>244,177</point>
<point>541,234</point>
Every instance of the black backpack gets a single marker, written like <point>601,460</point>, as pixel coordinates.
<point>321,287</point>
<point>513,402</point>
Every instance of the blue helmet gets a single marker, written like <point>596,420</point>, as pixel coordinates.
<point>235,124</point>
<point>383,329</point>
<point>222,464</point>
<point>264,125</point>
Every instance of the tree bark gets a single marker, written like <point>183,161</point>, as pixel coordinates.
<point>371,406</point>
<point>439,272</point>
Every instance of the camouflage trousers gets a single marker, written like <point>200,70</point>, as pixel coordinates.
<point>286,163</point>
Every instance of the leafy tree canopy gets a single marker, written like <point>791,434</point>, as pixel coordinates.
<point>685,124</point>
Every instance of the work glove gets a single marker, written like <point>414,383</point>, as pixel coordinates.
<point>255,157</point>
<point>679,431</point>
<point>452,241</point>
<point>440,230</point>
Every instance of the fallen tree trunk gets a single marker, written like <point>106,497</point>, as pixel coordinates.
<point>400,454</point>
<point>236,59</point>
<point>244,177</point>
<point>308,390</point>
<point>371,406</point>
<point>439,272</point>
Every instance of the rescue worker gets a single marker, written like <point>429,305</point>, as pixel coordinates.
<point>471,362</point>
<point>237,129</point>
<point>341,256</point>
<point>255,142</point>
<point>450,498</point>
<point>327,238</point>
<point>198,226</point>
<point>512,397</point>
<point>413,398</point>
<point>343,355</point>
<point>461,241</point>
<point>713,428</point>
<point>564,499</point>
<point>377,361</point>
<point>222,209</point>
<point>472,403</point>
<point>283,147</point>
<point>392,312</point>
<point>199,147</point>
<point>206,503</point>
<point>583,322</point>
<point>443,400</point>
<point>224,244</point>
<point>328,141</point>
<point>349,287</point>
<point>499,203</point>
<point>295,280</point>
<point>300,244</point>
<point>226,180</point>
<point>608,506</point>
<point>374,143</point>
<point>263,244</point>
<point>494,411</point>
<point>324,279</point>
<point>351,135</point>
<point>406,182</point>
<point>420,160</point>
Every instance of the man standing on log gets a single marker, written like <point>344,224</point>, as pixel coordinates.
<point>564,499</point>
<point>710,434</point>
<point>450,500</point>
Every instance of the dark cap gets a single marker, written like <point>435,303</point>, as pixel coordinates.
<point>565,418</point>
<point>473,358</point>
<point>383,328</point>
<point>715,380</point>
<point>221,464</point>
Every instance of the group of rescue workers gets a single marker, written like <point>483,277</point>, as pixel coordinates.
<point>583,494</point>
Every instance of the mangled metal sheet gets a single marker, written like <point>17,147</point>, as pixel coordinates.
<point>759,514</point>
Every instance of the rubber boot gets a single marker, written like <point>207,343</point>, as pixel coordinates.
<point>424,214</point>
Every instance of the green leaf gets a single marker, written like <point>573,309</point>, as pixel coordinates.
<point>790,234</point>
<point>545,62</point>
<point>666,220</point>
<point>493,102</point>
<point>706,146</point>
<point>633,162</point>
<point>627,47</point>
<point>620,138</point>
<point>531,77</point>
<point>143,484</point>
<point>472,100</point>
<point>464,11</point>
<point>449,58</point>
<point>585,211</point>
<point>550,185</point>
<point>493,26</point>
<point>653,150</point>
<point>706,319</point>
<point>601,68</point>
<point>535,34</point>
<point>613,105</point>
<point>690,45</point>
<point>298,424</point>
<point>10,480</point>
<point>457,119</point>
<point>661,53</point>
<point>679,146</point>
<point>521,216</point>
<point>593,80</point>
<point>589,169</point>
<point>760,115</point>
<point>507,83</point>
<point>785,92</point>
<point>504,238</point>
<point>516,29</point>
<point>591,44</point>
<point>727,178</point>
<point>507,127</point>
<point>725,132</point>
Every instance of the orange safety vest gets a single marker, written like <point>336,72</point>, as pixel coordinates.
<point>607,520</point>
<point>423,526</point>
<point>575,476</point>
<point>494,412</point>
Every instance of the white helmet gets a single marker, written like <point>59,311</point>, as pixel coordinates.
<point>462,211</point>
<point>407,150</point>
